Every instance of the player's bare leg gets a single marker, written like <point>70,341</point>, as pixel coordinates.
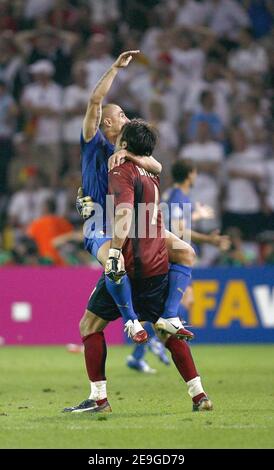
<point>181,257</point>
<point>133,327</point>
<point>179,251</point>
<point>92,333</point>
<point>183,360</point>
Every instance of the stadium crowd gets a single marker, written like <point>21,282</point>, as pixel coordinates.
<point>204,77</point>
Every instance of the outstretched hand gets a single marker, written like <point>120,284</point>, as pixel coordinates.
<point>223,242</point>
<point>125,58</point>
<point>202,211</point>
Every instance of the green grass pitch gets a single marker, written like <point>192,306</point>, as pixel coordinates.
<point>148,411</point>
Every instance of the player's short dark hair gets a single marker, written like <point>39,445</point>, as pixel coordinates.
<point>140,137</point>
<point>181,170</point>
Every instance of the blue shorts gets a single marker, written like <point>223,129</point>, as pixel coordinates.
<point>148,296</point>
<point>93,244</point>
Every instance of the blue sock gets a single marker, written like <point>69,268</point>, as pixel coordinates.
<point>179,277</point>
<point>149,329</point>
<point>141,349</point>
<point>182,313</point>
<point>121,294</point>
<point>139,352</point>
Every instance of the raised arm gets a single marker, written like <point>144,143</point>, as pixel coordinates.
<point>94,109</point>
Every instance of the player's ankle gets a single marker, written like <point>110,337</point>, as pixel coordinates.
<point>102,401</point>
<point>197,398</point>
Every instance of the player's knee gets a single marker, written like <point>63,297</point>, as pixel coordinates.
<point>91,323</point>
<point>82,327</point>
<point>85,326</point>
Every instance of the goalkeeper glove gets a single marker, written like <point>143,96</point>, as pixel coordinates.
<point>84,204</point>
<point>114,268</point>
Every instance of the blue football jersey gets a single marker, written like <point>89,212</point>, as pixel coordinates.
<point>94,167</point>
<point>174,198</point>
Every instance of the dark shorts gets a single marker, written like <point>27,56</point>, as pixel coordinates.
<point>148,295</point>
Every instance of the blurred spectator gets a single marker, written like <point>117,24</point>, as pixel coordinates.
<point>261,13</point>
<point>105,12</point>
<point>156,86</point>
<point>12,67</point>
<point>192,12</point>
<point>7,17</point>
<point>245,181</point>
<point>167,142</point>
<point>187,59</point>
<point>80,22</point>
<point>42,104</point>
<point>227,18</point>
<point>52,45</point>
<point>136,13</point>
<point>168,137</point>
<point>27,204</point>
<point>252,122</point>
<point>208,115</point>
<point>98,58</point>
<point>22,164</point>
<point>62,14</point>
<point>44,229</point>
<point>215,81</point>
<point>8,113</point>
<point>36,8</point>
<point>207,156</point>
<point>75,103</point>
<point>250,57</point>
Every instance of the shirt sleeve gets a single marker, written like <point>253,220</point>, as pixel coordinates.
<point>90,149</point>
<point>97,139</point>
<point>121,184</point>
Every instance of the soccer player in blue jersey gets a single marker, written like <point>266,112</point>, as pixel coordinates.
<point>97,145</point>
<point>184,175</point>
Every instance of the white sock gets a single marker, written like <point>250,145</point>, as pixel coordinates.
<point>98,390</point>
<point>194,387</point>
